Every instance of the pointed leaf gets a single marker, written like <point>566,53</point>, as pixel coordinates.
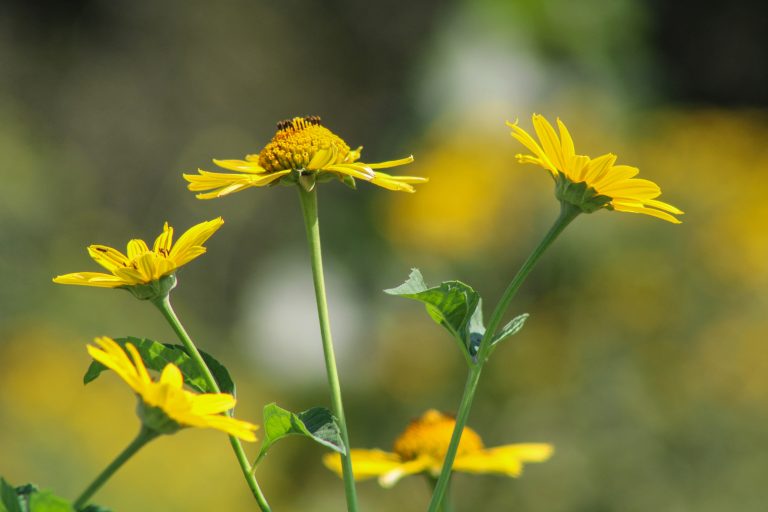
<point>9,502</point>
<point>453,304</point>
<point>316,423</point>
<point>157,355</point>
<point>513,327</point>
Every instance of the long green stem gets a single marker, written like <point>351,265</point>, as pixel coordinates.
<point>164,305</point>
<point>567,214</point>
<point>145,435</point>
<point>312,225</point>
<point>447,504</point>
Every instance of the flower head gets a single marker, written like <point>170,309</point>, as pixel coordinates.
<point>145,271</point>
<point>165,406</point>
<point>302,150</point>
<point>590,183</point>
<point>421,448</point>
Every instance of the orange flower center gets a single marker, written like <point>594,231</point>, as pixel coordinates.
<point>296,142</point>
<point>430,435</point>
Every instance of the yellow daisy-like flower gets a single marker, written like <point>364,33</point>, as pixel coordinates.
<point>165,406</point>
<point>421,448</point>
<point>142,265</point>
<point>590,183</point>
<point>302,150</point>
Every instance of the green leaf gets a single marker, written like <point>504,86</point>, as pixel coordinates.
<point>45,501</point>
<point>513,327</point>
<point>453,304</point>
<point>9,502</point>
<point>28,498</point>
<point>157,355</point>
<point>316,423</point>
<point>96,508</point>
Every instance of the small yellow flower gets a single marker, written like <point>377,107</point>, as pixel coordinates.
<point>142,265</point>
<point>590,183</point>
<point>421,448</point>
<point>165,406</point>
<point>302,147</point>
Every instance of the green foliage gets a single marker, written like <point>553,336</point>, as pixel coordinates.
<point>157,355</point>
<point>316,423</point>
<point>452,304</point>
<point>28,498</point>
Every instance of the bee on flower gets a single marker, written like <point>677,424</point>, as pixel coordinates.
<point>303,151</point>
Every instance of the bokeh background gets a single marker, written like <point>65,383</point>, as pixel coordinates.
<point>644,360</point>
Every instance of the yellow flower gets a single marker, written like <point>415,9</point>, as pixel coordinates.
<point>142,265</point>
<point>301,148</point>
<point>421,448</point>
<point>165,406</point>
<point>590,183</point>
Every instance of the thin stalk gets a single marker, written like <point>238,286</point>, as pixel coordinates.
<point>567,214</point>
<point>312,225</point>
<point>447,504</point>
<point>164,305</point>
<point>145,435</point>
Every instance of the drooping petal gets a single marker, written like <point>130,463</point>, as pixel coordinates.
<point>412,467</point>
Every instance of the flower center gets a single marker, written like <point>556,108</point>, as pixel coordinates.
<point>430,435</point>
<point>296,142</point>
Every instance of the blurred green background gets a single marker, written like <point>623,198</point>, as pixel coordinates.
<point>644,360</point>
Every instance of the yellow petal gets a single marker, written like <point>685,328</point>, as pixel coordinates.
<point>189,245</point>
<point>136,248</point>
<point>96,279</point>
<point>172,376</point>
<point>238,428</point>
<point>507,460</point>
<point>107,257</point>
<point>392,163</point>
<point>240,165</point>
<point>411,467</point>
<point>212,403</point>
<point>549,141</point>
<point>164,242</point>
<point>365,463</point>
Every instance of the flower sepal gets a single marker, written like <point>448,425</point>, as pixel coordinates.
<point>580,195</point>
<point>156,420</point>
<point>155,290</point>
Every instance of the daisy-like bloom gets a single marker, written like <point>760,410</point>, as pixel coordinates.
<point>165,406</point>
<point>141,265</point>
<point>590,183</point>
<point>302,150</point>
<point>421,448</point>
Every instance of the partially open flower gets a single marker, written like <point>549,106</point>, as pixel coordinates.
<point>165,406</point>
<point>147,273</point>
<point>590,183</point>
<point>421,448</point>
<point>302,151</point>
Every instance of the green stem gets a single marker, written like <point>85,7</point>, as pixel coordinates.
<point>164,305</point>
<point>312,225</point>
<point>447,504</point>
<point>567,214</point>
<point>145,435</point>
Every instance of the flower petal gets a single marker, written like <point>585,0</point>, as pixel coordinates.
<point>507,460</point>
